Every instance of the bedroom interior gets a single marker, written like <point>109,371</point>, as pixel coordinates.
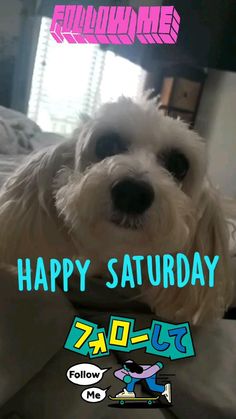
<point>196,81</point>
<point>46,89</point>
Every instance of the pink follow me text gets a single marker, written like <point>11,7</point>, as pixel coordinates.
<point>115,24</point>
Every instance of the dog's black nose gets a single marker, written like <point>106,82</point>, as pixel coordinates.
<point>132,196</point>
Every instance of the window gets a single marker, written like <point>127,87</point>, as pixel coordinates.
<point>70,79</point>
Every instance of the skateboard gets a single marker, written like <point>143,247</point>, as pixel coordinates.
<point>122,400</point>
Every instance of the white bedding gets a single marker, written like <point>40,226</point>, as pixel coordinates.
<point>19,136</point>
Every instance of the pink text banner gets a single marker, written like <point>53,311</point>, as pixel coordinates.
<point>115,24</point>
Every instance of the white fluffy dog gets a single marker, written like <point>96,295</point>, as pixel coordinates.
<point>133,181</point>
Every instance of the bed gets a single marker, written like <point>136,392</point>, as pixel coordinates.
<point>20,136</point>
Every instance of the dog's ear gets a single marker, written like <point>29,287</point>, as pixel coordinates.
<point>196,303</point>
<point>211,238</point>
<point>29,226</point>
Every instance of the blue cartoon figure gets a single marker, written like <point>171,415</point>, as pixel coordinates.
<point>132,373</point>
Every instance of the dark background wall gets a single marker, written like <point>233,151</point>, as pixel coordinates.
<point>10,26</point>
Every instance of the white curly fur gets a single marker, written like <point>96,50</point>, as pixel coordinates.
<point>59,205</point>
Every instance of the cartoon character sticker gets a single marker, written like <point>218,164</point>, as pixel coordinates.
<point>132,373</point>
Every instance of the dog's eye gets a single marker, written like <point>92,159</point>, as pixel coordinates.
<point>109,144</point>
<point>175,162</point>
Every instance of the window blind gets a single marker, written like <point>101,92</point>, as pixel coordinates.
<point>73,79</point>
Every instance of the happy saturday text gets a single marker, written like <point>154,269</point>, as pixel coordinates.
<point>160,270</point>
